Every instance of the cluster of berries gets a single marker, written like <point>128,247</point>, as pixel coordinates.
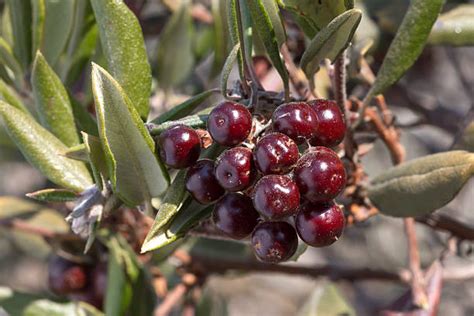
<point>269,190</point>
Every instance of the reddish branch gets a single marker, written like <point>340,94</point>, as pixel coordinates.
<point>176,295</point>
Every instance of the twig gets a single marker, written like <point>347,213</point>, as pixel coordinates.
<point>247,71</point>
<point>339,85</point>
<point>442,222</point>
<point>175,295</point>
<point>296,77</point>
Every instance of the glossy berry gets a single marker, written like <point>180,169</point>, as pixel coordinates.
<point>180,146</point>
<point>202,184</point>
<point>274,242</point>
<point>320,175</point>
<point>331,125</point>
<point>319,224</point>
<point>297,120</point>
<point>235,170</point>
<point>276,196</point>
<point>229,123</point>
<point>275,153</point>
<point>65,277</point>
<point>235,216</point>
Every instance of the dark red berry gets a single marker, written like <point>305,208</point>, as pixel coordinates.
<point>65,277</point>
<point>234,169</point>
<point>229,123</point>
<point>297,120</point>
<point>319,224</point>
<point>274,242</point>
<point>202,184</point>
<point>180,146</point>
<point>320,175</point>
<point>275,153</point>
<point>331,125</point>
<point>235,216</point>
<point>276,196</point>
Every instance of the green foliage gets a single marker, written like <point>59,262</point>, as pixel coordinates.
<point>455,27</point>
<point>227,69</point>
<point>124,49</point>
<point>20,17</point>
<point>326,300</point>
<point>423,185</point>
<point>53,195</point>
<point>136,173</point>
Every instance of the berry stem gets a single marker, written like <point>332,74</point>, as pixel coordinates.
<point>339,85</point>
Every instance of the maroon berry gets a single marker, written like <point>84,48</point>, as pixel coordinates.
<point>65,277</point>
<point>202,184</point>
<point>319,224</point>
<point>320,175</point>
<point>275,153</point>
<point>331,125</point>
<point>274,242</point>
<point>180,146</point>
<point>276,196</point>
<point>229,123</point>
<point>234,169</point>
<point>235,216</point>
<point>297,120</point>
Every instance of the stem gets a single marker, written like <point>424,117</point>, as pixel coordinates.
<point>339,85</point>
<point>247,72</point>
<point>298,80</point>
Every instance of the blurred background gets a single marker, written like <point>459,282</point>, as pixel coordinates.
<point>433,104</point>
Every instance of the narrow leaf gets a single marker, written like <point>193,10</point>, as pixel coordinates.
<point>455,27</point>
<point>84,120</point>
<point>53,195</point>
<point>170,206</point>
<point>330,41</point>
<point>39,14</point>
<point>271,7</point>
<point>183,109</point>
<point>78,152</point>
<point>124,48</point>
<point>97,160</point>
<point>20,14</point>
<point>197,120</point>
<point>227,69</point>
<point>266,30</point>
<point>326,300</point>
<point>8,59</point>
<point>423,185</point>
<point>10,96</point>
<point>43,150</point>
<point>136,173</point>
<point>52,102</point>
<point>407,44</point>
<point>221,35</point>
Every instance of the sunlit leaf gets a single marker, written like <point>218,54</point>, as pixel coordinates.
<point>43,150</point>
<point>423,185</point>
<point>124,49</point>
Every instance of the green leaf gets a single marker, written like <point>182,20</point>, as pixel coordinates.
<point>221,35</point>
<point>271,8</point>
<point>20,15</point>
<point>84,120</point>
<point>43,150</point>
<point>168,209</point>
<point>10,96</point>
<point>9,60</point>
<point>315,15</point>
<point>53,195</point>
<point>407,44</point>
<point>15,302</point>
<point>39,14</point>
<point>136,173</point>
<point>96,157</point>
<point>265,27</point>
<point>175,53</point>
<point>124,49</point>
<point>181,110</point>
<point>52,102</point>
<point>227,69</point>
<point>6,25</point>
<point>78,152</point>
<point>331,41</point>
<point>455,27</point>
<point>51,308</point>
<point>326,301</point>
<point>15,207</point>
<point>197,120</point>
<point>423,185</point>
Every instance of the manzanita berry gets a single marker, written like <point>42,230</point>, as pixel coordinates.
<point>65,277</point>
<point>274,242</point>
<point>331,125</point>
<point>202,184</point>
<point>235,216</point>
<point>320,175</point>
<point>229,123</point>
<point>276,196</point>
<point>297,120</point>
<point>235,169</point>
<point>319,224</point>
<point>179,146</point>
<point>275,153</point>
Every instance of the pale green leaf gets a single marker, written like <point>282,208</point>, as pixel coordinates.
<point>8,59</point>
<point>455,27</point>
<point>96,157</point>
<point>175,53</point>
<point>327,301</point>
<point>221,35</point>
<point>51,308</point>
<point>136,173</point>
<point>124,49</point>
<point>43,150</point>
<point>10,96</point>
<point>20,17</point>
<point>330,41</point>
<point>423,185</point>
<point>84,120</point>
<point>53,195</point>
<point>198,120</point>
<point>227,69</point>
<point>271,7</point>
<point>78,152</point>
<point>52,102</point>
<point>6,26</point>
<point>407,44</point>
<point>38,13</point>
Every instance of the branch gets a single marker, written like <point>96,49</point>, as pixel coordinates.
<point>296,76</point>
<point>339,85</point>
<point>174,296</point>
